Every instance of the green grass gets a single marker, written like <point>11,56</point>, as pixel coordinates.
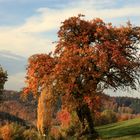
<point>126,130</point>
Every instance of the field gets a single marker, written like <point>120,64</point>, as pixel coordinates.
<point>126,130</point>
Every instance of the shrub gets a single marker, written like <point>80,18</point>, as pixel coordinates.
<point>14,131</point>
<point>106,117</point>
<point>5,132</point>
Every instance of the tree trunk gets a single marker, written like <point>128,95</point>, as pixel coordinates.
<point>44,111</point>
<point>84,114</point>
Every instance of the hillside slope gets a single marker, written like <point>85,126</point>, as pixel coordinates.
<point>126,130</point>
<point>13,108</point>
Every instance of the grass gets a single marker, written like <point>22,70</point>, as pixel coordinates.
<point>126,130</point>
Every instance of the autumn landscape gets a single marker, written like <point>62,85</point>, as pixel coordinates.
<point>69,70</point>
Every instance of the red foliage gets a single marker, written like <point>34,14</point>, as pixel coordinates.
<point>64,117</point>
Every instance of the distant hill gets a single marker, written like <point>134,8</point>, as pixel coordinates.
<point>116,103</point>
<point>133,103</point>
<point>13,107</point>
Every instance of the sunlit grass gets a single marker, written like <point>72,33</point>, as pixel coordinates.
<point>127,130</point>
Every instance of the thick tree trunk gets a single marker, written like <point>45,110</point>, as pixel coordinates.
<point>44,111</point>
<point>84,114</point>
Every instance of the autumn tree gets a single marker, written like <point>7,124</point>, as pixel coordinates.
<point>90,56</point>
<point>3,79</point>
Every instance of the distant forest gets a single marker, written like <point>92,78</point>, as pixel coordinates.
<point>133,103</point>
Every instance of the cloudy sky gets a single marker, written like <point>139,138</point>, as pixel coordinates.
<point>30,26</point>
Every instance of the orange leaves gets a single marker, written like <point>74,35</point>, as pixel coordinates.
<point>73,79</point>
<point>88,101</point>
<point>94,103</point>
<point>103,61</point>
<point>64,117</point>
<point>38,71</point>
<point>26,91</point>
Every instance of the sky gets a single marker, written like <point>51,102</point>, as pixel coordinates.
<point>28,27</point>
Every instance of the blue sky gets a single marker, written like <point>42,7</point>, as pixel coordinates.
<point>11,10</point>
<point>16,12</point>
<point>30,26</point>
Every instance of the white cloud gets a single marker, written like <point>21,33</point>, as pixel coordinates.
<point>49,19</point>
<point>24,44</point>
<point>26,39</point>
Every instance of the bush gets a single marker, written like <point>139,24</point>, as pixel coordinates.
<point>106,117</point>
<point>14,131</point>
<point>67,125</point>
<point>5,132</point>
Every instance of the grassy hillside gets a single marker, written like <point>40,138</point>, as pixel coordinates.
<point>126,130</point>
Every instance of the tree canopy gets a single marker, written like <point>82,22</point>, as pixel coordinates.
<point>89,57</point>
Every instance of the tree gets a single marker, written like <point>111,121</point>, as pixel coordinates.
<point>3,79</point>
<point>90,56</point>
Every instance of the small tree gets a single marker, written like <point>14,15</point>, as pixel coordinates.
<point>90,56</point>
<point>3,79</point>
